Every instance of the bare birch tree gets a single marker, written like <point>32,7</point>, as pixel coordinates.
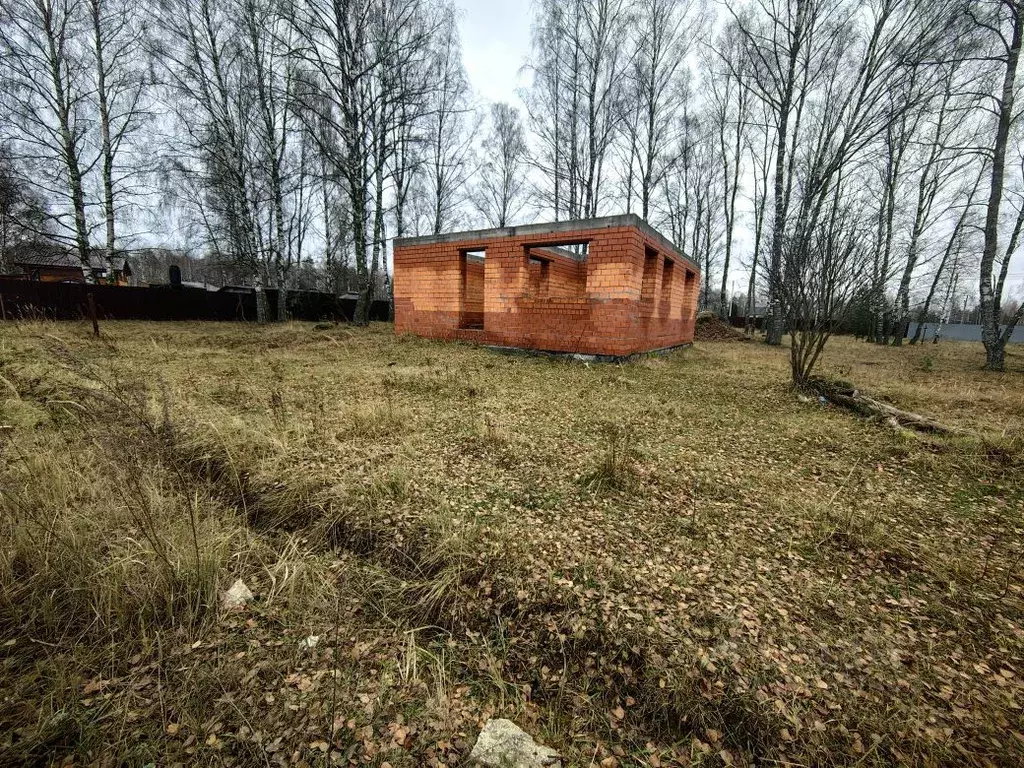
<point>123,105</point>
<point>938,165</point>
<point>334,47</point>
<point>502,192</point>
<point>450,125</point>
<point>849,56</point>
<point>785,42</point>
<point>556,131</point>
<point>692,195</point>
<point>657,79</point>
<point>268,72</point>
<point>47,95</point>
<point>999,25</point>
<point>892,178</point>
<point>579,58</point>
<point>729,99</point>
<point>365,101</point>
<point>950,258</point>
<point>759,143</point>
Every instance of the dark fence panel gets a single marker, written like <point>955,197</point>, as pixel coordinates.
<point>312,305</point>
<point>739,321</point>
<point>67,301</point>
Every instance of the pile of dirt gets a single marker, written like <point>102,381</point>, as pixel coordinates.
<point>714,329</point>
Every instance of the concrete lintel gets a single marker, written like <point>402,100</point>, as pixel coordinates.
<point>538,230</point>
<point>555,250</point>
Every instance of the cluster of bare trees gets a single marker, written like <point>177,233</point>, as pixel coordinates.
<point>888,118</point>
<point>268,125</point>
<point>835,79</point>
<point>836,152</point>
<point>75,97</point>
<point>314,115</point>
<point>836,155</point>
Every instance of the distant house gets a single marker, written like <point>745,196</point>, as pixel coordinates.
<point>51,263</point>
<point>739,310</point>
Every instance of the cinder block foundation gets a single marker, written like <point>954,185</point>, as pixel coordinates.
<point>608,287</point>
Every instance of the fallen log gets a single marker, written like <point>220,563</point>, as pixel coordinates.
<point>847,396</point>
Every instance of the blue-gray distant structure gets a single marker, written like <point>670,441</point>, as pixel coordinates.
<point>962,332</point>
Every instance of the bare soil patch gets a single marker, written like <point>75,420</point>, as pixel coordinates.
<point>714,329</point>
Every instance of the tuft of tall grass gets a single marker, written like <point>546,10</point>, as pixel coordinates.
<point>616,468</point>
<point>94,544</point>
<point>103,532</point>
<point>374,421</point>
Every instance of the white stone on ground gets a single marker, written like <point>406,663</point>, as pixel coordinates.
<point>238,596</point>
<point>503,744</point>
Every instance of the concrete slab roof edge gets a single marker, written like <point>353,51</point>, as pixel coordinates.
<point>605,222</point>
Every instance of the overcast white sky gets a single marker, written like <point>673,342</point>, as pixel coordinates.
<point>495,44</point>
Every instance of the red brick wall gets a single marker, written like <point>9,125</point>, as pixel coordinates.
<point>603,305</point>
<point>539,273</point>
<point>473,299</point>
<point>428,287</point>
<point>564,276</point>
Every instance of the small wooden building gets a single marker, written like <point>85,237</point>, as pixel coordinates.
<point>51,263</point>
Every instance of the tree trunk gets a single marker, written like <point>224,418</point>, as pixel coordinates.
<point>106,149</point>
<point>950,245</point>
<point>359,203</point>
<point>70,149</point>
<point>378,218</point>
<point>775,322</point>
<point>282,296</point>
<point>262,310</point>
<point>852,399</point>
<point>994,341</point>
<point>748,321</point>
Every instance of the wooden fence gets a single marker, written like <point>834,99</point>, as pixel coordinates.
<point>68,301</point>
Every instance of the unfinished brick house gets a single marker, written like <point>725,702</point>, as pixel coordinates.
<point>607,287</point>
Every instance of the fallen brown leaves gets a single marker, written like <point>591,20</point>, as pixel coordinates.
<point>245,691</point>
<point>774,581</point>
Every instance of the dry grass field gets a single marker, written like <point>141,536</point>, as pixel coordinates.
<point>675,561</point>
